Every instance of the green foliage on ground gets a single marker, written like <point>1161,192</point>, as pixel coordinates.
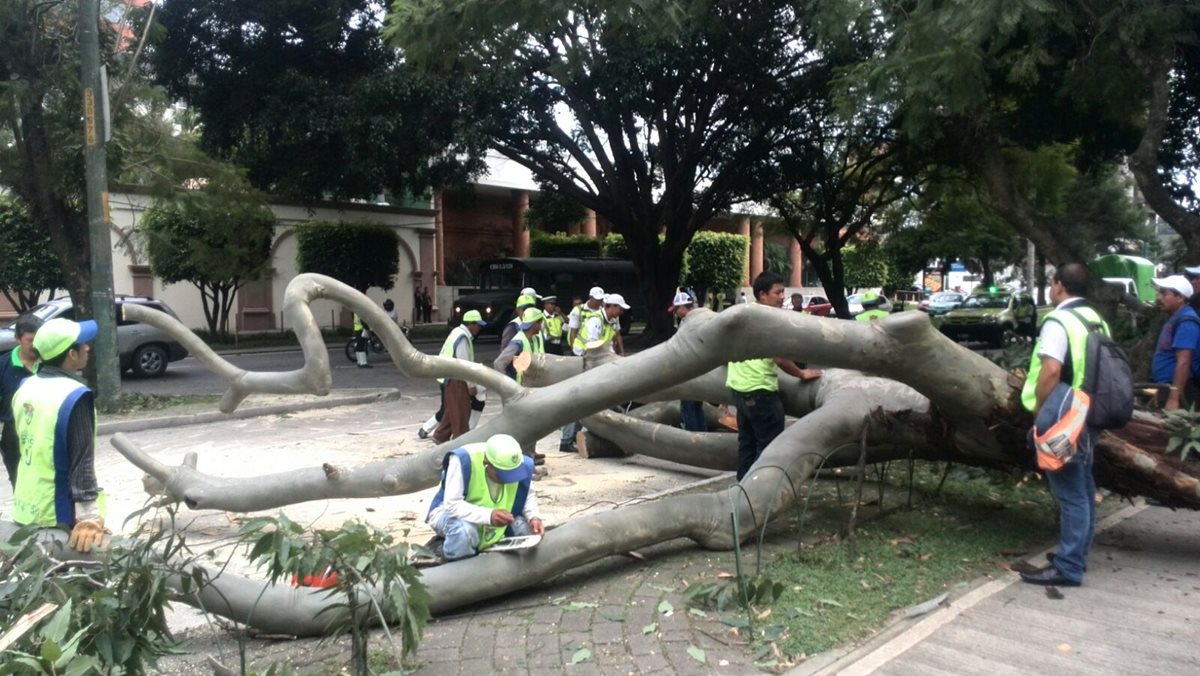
<point>364,560</point>
<point>110,616</point>
<point>26,267</point>
<point>361,255</point>
<point>137,402</point>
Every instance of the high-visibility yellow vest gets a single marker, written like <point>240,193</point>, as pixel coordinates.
<point>42,408</point>
<point>531,345</point>
<point>585,313</point>
<point>552,327</point>
<point>459,332</point>
<point>1077,334</point>
<point>868,315</point>
<point>358,325</point>
<point>752,374</point>
<point>476,491</point>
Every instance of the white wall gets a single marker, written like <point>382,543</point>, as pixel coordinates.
<point>184,298</point>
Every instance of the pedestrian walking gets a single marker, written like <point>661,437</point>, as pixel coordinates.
<point>15,366</point>
<point>361,336</point>
<point>755,385</point>
<point>1056,369</point>
<point>427,305</point>
<point>454,416</point>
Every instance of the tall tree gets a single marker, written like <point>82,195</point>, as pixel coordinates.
<point>217,239</point>
<point>308,98</point>
<point>25,274</point>
<point>977,84</point>
<point>655,114</point>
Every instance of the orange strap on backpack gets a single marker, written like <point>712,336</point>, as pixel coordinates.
<point>1059,444</point>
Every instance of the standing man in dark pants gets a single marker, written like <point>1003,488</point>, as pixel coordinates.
<point>755,384</point>
<point>15,365</point>
<point>1059,364</point>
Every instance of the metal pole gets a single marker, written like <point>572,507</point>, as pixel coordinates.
<point>108,375</point>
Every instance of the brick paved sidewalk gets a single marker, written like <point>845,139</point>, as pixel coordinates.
<point>603,608</point>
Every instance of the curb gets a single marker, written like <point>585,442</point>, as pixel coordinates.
<point>902,634</point>
<point>142,424</point>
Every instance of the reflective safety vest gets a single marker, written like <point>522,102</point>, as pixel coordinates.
<point>751,375</point>
<point>459,332</point>
<point>1077,334</point>
<point>42,411</point>
<point>477,491</point>
<point>531,345</point>
<point>586,313</point>
<point>552,328</point>
<point>358,324</point>
<point>868,315</point>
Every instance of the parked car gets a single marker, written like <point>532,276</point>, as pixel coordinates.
<point>856,307</point>
<point>942,302</point>
<point>143,349</point>
<point>992,316</point>
<point>817,305</point>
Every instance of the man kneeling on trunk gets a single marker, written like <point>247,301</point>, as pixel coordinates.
<point>486,494</point>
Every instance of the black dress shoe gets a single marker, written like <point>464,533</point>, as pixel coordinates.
<point>568,448</point>
<point>1049,577</point>
<point>422,434</point>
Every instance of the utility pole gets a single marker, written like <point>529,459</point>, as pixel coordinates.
<point>108,373</point>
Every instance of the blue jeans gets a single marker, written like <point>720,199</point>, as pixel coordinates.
<point>760,420</point>
<point>568,434</point>
<point>462,538</point>
<point>1074,487</point>
<point>692,413</point>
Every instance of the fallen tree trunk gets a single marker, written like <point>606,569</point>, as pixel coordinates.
<point>926,397</point>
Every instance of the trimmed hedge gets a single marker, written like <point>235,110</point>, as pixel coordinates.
<point>359,254</point>
<point>715,261</point>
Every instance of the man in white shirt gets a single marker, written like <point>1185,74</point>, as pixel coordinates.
<point>485,495</point>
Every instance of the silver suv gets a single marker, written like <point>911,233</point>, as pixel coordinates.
<point>143,349</point>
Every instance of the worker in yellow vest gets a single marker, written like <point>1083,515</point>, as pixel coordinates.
<point>528,340</point>
<point>15,366</point>
<point>755,384</point>
<point>524,302</point>
<point>458,394</point>
<point>594,306</point>
<point>871,302</point>
<point>553,326</point>
<point>360,342</point>
<point>55,418</point>
<point>486,494</point>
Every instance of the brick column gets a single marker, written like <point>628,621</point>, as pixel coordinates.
<point>439,229</point>
<point>589,224</point>
<point>744,231</point>
<point>796,257</point>
<point>520,232</point>
<point>756,251</point>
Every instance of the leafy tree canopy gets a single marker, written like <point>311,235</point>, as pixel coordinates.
<point>623,107</point>
<point>310,100</point>
<point>360,254</point>
<point>25,269</point>
<point>216,239</point>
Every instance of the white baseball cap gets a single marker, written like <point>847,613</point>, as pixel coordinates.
<point>616,299</point>
<point>682,298</point>
<point>1194,270</point>
<point>596,293</point>
<point>1177,283</point>
<point>528,291</point>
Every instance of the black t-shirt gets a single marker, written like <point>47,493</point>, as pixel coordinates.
<point>11,376</point>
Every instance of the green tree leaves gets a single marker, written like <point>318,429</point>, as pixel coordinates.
<point>360,254</point>
<point>28,266</point>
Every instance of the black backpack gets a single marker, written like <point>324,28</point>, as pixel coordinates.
<point>1108,380</point>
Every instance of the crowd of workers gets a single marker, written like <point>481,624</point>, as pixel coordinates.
<point>48,415</point>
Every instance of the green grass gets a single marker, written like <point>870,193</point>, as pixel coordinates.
<point>136,402</point>
<point>832,596</point>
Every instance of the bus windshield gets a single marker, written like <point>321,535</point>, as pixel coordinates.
<point>500,276</point>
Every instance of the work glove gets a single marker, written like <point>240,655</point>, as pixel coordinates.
<point>86,535</point>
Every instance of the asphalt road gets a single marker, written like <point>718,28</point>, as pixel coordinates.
<point>188,376</point>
